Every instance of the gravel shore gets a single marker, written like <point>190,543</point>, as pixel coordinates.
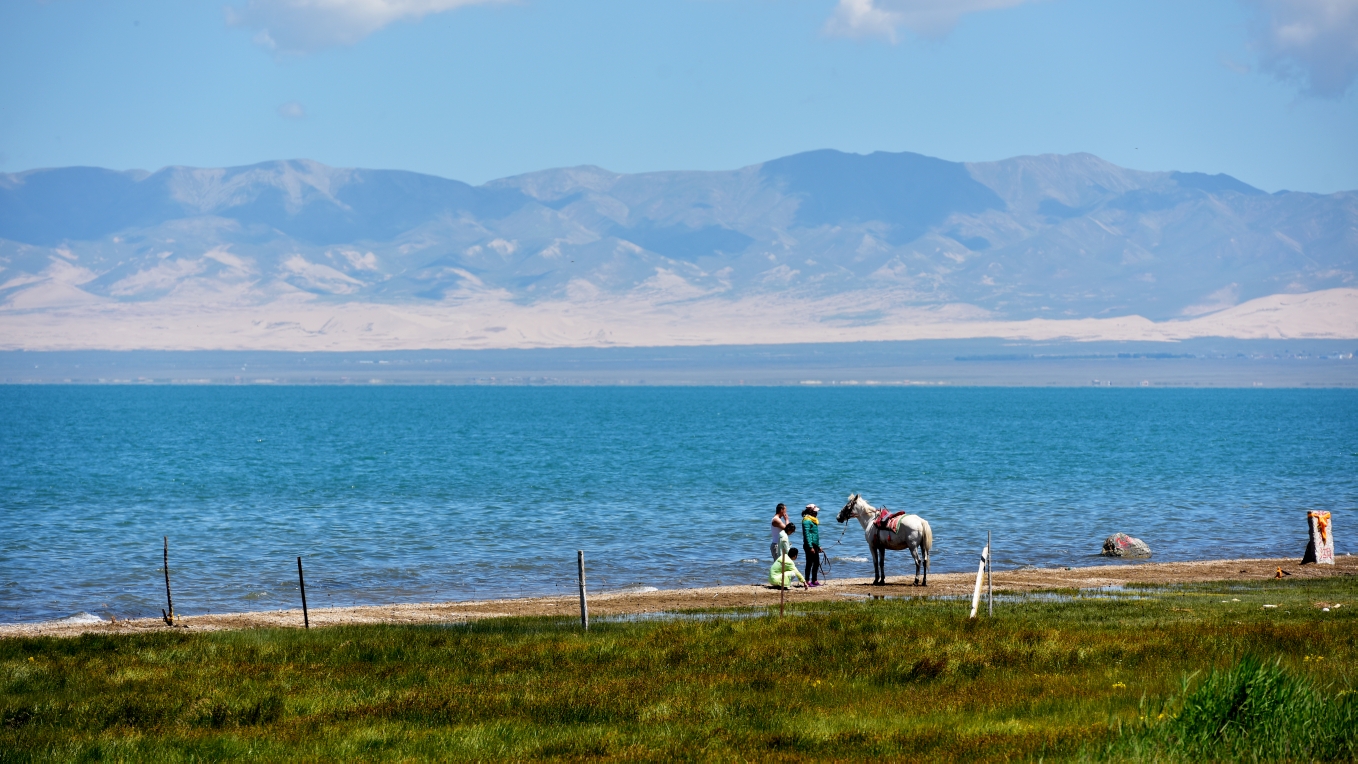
<point>605,604</point>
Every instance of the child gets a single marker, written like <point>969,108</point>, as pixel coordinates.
<point>811,543</point>
<point>784,567</point>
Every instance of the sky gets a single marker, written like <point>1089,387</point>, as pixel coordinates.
<point>480,89</point>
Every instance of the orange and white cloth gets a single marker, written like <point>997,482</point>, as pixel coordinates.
<point>1320,550</point>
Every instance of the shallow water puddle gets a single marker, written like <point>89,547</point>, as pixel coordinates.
<point>1113,592</point>
<point>670,615</point>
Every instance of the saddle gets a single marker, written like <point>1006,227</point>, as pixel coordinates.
<point>888,521</point>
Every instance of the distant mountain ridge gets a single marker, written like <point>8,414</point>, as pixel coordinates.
<point>1052,236</point>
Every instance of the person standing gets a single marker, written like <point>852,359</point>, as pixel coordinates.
<point>778,536</point>
<point>811,543</point>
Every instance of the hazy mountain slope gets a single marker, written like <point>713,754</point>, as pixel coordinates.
<point>861,237</point>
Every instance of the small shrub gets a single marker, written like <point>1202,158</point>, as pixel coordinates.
<point>1254,711</point>
<point>928,668</point>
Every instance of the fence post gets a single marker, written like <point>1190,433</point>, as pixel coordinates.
<point>169,601</point>
<point>782,592</point>
<point>584,603</point>
<point>301,583</point>
<point>989,580</point>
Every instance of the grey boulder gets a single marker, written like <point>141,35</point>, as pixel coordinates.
<point>1122,545</point>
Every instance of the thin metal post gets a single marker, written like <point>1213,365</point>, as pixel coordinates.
<point>584,603</point>
<point>301,583</point>
<point>989,583</point>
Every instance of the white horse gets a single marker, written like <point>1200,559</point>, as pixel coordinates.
<point>912,532</point>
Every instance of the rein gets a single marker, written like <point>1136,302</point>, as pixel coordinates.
<point>842,531</point>
<point>825,555</point>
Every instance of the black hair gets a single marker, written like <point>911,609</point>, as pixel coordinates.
<point>792,553</point>
<point>780,508</point>
<point>791,528</point>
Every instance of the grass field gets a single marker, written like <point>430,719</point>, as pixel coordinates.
<point>1183,673</point>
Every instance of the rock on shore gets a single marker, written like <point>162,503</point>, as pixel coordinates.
<point>1122,545</point>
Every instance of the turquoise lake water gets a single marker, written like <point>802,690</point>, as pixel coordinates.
<point>407,494</point>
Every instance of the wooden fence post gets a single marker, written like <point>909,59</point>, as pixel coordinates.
<point>584,602</point>
<point>301,583</point>
<point>168,615</point>
<point>782,592</point>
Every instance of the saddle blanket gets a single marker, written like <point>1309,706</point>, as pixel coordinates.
<point>889,521</point>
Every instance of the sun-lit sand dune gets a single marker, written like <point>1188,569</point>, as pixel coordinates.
<point>641,318</point>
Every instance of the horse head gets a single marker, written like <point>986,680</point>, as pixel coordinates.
<point>847,511</point>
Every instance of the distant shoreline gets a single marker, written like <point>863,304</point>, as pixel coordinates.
<point>737,596</point>
<point>1202,362</point>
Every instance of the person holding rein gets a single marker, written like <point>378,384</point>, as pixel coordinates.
<point>811,543</point>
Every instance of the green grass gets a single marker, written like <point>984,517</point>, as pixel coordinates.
<point>1252,711</point>
<point>1154,678</point>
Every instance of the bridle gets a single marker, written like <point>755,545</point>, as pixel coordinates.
<point>842,517</point>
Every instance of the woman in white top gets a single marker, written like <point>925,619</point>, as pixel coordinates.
<point>778,542</point>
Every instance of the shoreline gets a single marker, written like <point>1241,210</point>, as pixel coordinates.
<point>732,596</point>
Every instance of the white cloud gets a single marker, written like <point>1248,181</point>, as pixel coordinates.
<point>862,18</point>
<point>305,26</point>
<point>292,110</point>
<point>926,18</point>
<point>1311,42</point>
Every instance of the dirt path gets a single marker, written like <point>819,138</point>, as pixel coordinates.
<point>750,595</point>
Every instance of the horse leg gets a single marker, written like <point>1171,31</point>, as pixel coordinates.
<point>878,565</point>
<point>926,567</point>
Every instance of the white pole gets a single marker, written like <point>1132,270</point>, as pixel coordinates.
<point>989,581</point>
<point>980,575</point>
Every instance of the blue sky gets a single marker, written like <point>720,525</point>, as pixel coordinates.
<point>480,89</point>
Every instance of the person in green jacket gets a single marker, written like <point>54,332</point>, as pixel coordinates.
<point>785,568</point>
<point>811,543</point>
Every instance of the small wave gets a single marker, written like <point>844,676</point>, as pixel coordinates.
<point>751,560</point>
<point>78,618</point>
<point>638,589</point>
<point>849,559</point>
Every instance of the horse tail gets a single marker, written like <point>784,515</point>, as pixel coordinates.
<point>928,535</point>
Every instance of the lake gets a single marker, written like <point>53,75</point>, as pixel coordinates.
<point>419,493</point>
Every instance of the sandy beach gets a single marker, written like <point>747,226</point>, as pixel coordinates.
<point>605,604</point>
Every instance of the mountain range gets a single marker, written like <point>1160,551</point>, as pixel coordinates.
<point>820,246</point>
